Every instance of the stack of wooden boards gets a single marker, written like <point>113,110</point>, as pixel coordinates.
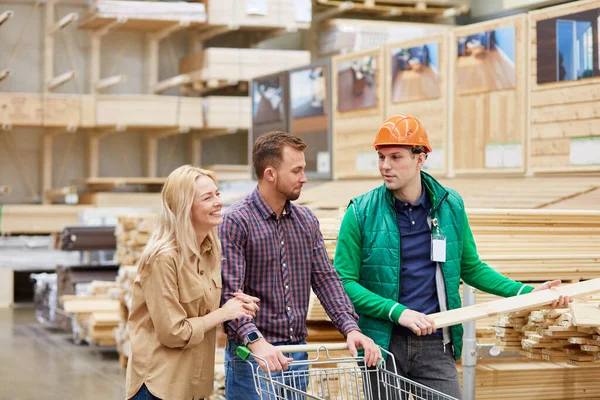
<point>229,64</point>
<point>96,315</point>
<point>124,281</point>
<point>143,10</point>
<point>133,232</point>
<point>289,14</point>
<point>566,335</point>
<point>341,36</point>
<point>216,67</point>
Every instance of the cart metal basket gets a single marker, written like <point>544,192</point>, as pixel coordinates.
<point>325,377</point>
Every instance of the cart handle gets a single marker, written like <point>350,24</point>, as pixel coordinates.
<point>244,352</point>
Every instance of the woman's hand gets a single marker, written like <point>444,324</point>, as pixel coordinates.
<point>236,308</point>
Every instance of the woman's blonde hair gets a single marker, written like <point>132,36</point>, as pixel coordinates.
<point>174,234</point>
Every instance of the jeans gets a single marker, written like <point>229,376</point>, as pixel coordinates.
<point>422,359</point>
<point>144,394</point>
<point>240,381</point>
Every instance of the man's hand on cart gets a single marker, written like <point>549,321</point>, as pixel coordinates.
<point>275,358</point>
<point>417,322</point>
<point>563,301</point>
<point>372,352</point>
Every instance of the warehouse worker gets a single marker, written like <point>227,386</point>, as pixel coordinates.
<point>273,249</point>
<point>176,294</point>
<point>402,251</point>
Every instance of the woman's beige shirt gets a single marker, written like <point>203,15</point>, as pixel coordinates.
<point>171,350</point>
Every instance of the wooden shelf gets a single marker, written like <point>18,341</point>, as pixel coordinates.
<point>105,184</point>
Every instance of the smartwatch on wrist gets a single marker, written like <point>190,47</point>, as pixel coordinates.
<point>252,337</point>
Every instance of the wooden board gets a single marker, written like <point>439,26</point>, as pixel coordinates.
<point>279,14</point>
<point>562,112</point>
<point>228,112</point>
<point>522,302</point>
<point>354,127</point>
<point>585,314</point>
<point>421,92</point>
<point>488,96</point>
<point>229,64</point>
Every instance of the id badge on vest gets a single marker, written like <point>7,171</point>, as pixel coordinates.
<point>438,248</point>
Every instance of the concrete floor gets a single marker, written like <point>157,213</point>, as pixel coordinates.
<point>41,363</point>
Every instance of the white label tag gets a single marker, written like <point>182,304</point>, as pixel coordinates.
<point>323,161</point>
<point>257,7</point>
<point>438,248</point>
<point>303,10</point>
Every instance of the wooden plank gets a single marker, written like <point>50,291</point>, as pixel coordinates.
<point>585,314</point>
<point>522,302</point>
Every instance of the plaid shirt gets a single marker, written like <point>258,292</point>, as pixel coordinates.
<point>278,260</point>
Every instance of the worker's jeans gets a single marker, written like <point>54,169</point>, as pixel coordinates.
<point>421,359</point>
<point>240,383</point>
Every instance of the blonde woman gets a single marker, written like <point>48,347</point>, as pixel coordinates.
<point>176,294</point>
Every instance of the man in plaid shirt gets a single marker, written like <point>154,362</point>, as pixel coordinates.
<point>273,249</point>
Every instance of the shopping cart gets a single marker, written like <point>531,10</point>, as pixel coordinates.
<point>326,377</point>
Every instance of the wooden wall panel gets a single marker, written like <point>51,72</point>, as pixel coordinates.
<point>561,111</point>
<point>428,108</point>
<point>488,108</point>
<point>354,129</point>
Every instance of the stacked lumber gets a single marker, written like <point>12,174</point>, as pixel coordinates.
<point>290,14</point>
<point>143,10</point>
<point>565,335</point>
<point>228,112</point>
<point>340,36</point>
<point>133,232</point>
<point>534,380</point>
<point>94,318</point>
<point>230,64</point>
<point>124,281</point>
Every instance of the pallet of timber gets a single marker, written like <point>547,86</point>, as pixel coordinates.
<point>143,15</point>
<point>148,111</point>
<point>46,110</point>
<point>564,103</point>
<point>227,112</point>
<point>341,36</point>
<point>534,380</point>
<point>228,64</point>
<point>37,219</point>
<point>289,14</point>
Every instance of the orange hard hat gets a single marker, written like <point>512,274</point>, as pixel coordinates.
<point>402,130</point>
